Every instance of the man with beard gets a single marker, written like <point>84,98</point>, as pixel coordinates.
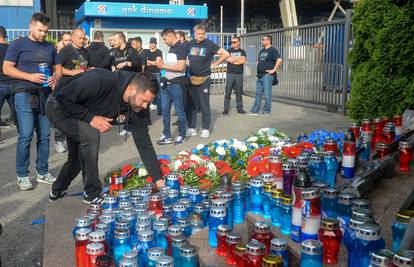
<point>84,106</point>
<point>22,61</point>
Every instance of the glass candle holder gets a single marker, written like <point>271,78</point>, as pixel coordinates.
<point>286,222</point>
<point>81,241</point>
<point>272,261</point>
<point>405,153</point>
<point>311,253</point>
<point>256,195</point>
<point>382,150</point>
<point>289,175</point>
<point>263,234</point>
<point>397,119</point>
<point>255,252</point>
<point>217,217</point>
<point>239,255</point>
<point>232,240</point>
<point>311,213</point>
<point>189,256</point>
<point>368,240</point>
<point>276,207</point>
<point>221,233</point>
<point>331,236</point>
<point>399,228</point>
<point>155,204</point>
<point>238,204</point>
<point>278,246</point>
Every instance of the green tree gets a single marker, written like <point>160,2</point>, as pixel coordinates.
<point>382,58</point>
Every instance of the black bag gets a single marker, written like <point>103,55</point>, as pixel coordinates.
<point>275,80</point>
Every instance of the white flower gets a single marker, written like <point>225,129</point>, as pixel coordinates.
<point>222,142</point>
<point>200,146</point>
<point>263,131</point>
<point>243,148</point>
<point>196,158</point>
<point>211,168</point>
<point>183,153</point>
<point>142,172</point>
<point>273,139</point>
<point>177,164</point>
<point>220,150</point>
<point>252,139</point>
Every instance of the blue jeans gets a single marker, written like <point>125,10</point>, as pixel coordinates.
<point>5,94</point>
<point>29,120</point>
<point>157,100</point>
<point>173,94</point>
<point>263,85</point>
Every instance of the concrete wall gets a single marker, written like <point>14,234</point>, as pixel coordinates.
<point>16,17</point>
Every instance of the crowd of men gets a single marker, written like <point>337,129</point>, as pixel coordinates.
<point>93,87</point>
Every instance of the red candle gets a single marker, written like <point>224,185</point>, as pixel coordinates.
<point>263,234</point>
<point>366,125</point>
<point>354,127</point>
<point>222,231</point>
<point>275,166</point>
<point>239,255</point>
<point>397,119</point>
<point>330,145</point>
<point>254,254</point>
<point>382,150</point>
<point>99,237</point>
<point>406,154</point>
<point>388,135</point>
<point>330,235</point>
<point>376,136</point>
<point>81,240</point>
<point>93,251</point>
<point>155,204</point>
<point>232,240</point>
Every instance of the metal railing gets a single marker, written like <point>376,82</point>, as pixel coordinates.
<point>315,65</point>
<point>52,35</point>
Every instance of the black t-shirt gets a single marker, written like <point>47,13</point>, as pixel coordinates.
<point>200,56</point>
<point>71,57</point>
<point>3,50</point>
<point>176,53</point>
<point>232,68</point>
<point>152,56</point>
<point>267,59</point>
<point>142,55</point>
<point>127,54</point>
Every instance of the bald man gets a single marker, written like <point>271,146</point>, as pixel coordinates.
<point>74,57</point>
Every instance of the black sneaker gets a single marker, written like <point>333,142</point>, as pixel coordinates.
<point>89,199</point>
<point>241,111</point>
<point>55,196</point>
<point>225,112</point>
<point>4,125</point>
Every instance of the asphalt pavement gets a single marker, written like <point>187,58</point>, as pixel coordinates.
<point>24,217</point>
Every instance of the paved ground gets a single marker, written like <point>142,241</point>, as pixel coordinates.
<point>23,244</point>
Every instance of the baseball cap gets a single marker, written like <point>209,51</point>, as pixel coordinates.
<point>153,40</point>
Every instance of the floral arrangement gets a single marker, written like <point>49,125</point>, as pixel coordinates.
<point>204,165</point>
<point>318,137</point>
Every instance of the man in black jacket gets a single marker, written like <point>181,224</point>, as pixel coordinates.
<point>84,106</point>
<point>98,52</point>
<point>126,57</point>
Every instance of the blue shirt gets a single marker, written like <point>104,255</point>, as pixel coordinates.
<point>28,54</point>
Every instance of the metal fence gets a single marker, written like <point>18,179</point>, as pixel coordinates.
<point>315,65</point>
<point>218,74</point>
<point>52,35</point>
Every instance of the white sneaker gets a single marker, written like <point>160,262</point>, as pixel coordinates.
<point>191,132</point>
<point>124,132</point>
<point>24,183</point>
<point>60,147</point>
<point>46,179</point>
<point>153,107</point>
<point>205,133</point>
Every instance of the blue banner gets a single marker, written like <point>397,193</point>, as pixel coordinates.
<point>134,10</point>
